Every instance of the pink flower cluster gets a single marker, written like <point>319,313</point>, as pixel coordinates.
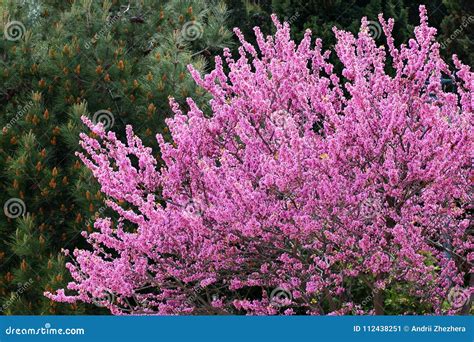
<point>302,188</point>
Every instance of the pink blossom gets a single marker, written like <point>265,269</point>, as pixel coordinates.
<point>302,180</point>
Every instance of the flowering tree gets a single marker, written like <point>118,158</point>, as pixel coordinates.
<point>304,193</point>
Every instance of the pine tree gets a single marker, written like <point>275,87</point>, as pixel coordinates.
<point>322,15</point>
<point>458,30</point>
<point>116,62</point>
<point>246,14</point>
<point>453,19</point>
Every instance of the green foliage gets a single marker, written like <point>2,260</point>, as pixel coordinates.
<point>458,30</point>
<point>322,15</point>
<point>114,61</point>
<point>454,18</point>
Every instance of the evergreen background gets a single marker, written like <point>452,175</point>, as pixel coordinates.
<point>118,62</point>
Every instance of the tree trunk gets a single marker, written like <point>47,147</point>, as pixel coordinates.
<point>378,302</point>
